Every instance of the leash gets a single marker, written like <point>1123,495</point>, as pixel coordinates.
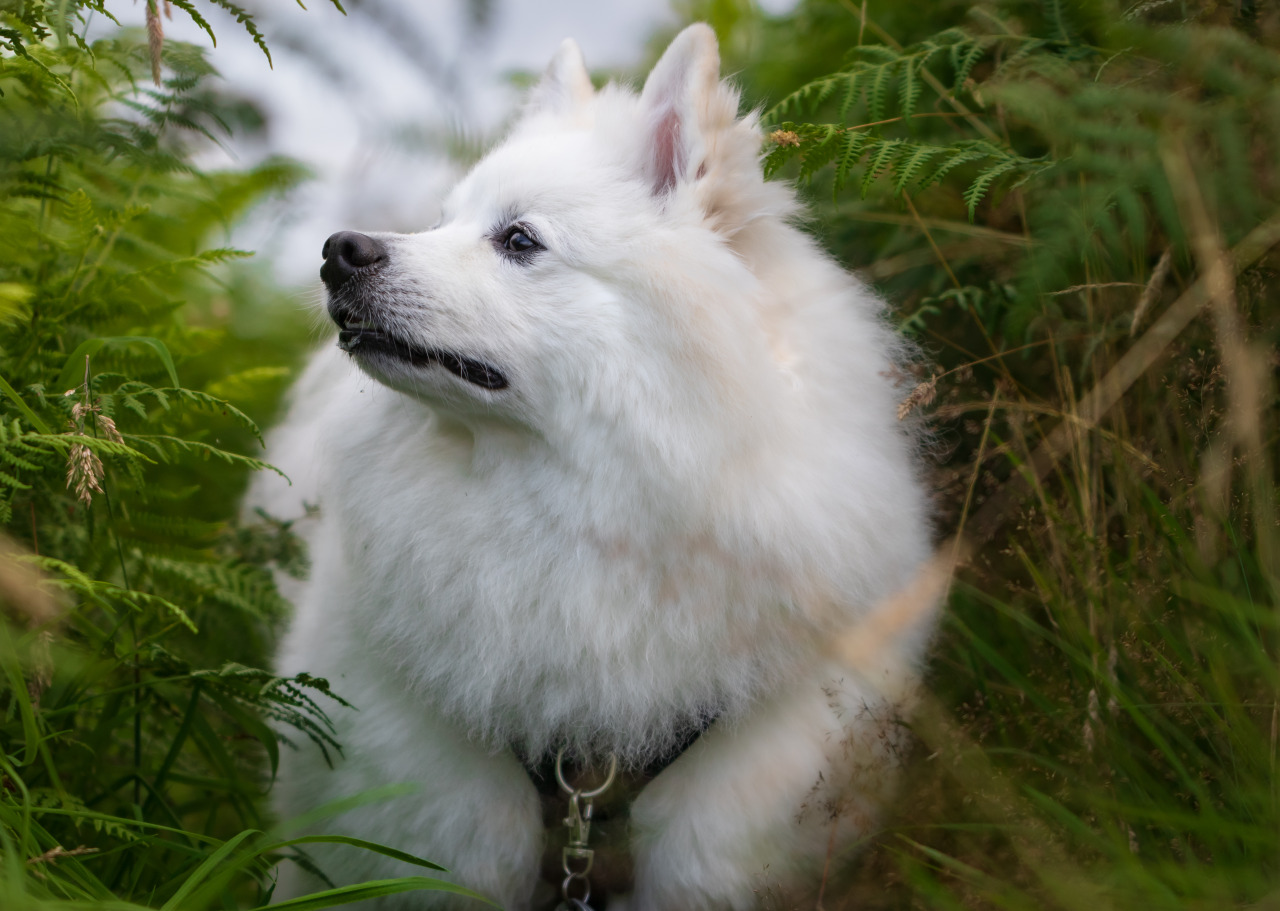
<point>576,856</point>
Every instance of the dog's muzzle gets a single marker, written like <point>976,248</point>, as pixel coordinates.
<point>363,332</point>
<point>346,254</point>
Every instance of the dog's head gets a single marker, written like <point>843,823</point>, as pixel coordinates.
<point>586,268</point>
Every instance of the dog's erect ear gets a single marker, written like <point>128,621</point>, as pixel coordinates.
<point>678,101</point>
<point>565,86</point>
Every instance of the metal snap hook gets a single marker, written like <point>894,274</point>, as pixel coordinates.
<point>586,795</point>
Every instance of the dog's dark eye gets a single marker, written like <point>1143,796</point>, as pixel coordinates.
<point>518,240</point>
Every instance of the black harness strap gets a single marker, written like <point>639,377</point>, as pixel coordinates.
<point>542,770</point>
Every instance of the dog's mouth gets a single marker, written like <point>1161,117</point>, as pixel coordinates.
<point>360,339</point>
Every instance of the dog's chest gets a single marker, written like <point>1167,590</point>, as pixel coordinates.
<point>541,616</point>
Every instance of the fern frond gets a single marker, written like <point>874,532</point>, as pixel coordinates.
<point>820,149</point>
<point>909,88</point>
<point>244,18</point>
<point>79,215</point>
<point>779,155</point>
<point>876,55</point>
<point>129,395</point>
<point>144,601</point>
<point>853,86</point>
<point>909,163</point>
<point>248,589</point>
<point>954,157</point>
<point>170,449</point>
<point>852,145</point>
<point>8,481</point>
<point>100,446</point>
<point>806,97</point>
<point>964,57</point>
<point>983,181</point>
<point>878,90</point>
<point>189,8</point>
<point>878,159</point>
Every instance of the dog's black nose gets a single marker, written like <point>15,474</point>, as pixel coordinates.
<point>345,252</point>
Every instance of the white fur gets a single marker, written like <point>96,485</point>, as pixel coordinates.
<point>695,480</point>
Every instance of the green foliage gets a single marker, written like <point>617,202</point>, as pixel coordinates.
<point>878,76</point>
<point>909,163</point>
<point>138,732</point>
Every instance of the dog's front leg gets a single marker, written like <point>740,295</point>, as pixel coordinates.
<point>760,803</point>
<point>470,809</point>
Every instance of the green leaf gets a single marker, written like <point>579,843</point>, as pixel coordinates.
<point>364,891</point>
<point>203,871</point>
<point>30,729</point>
<point>72,374</point>
<point>243,17</point>
<point>910,88</point>
<point>978,189</point>
<point>22,407</point>
<point>187,7</point>
<point>909,164</point>
<point>12,296</point>
<point>878,158</point>
<point>358,843</point>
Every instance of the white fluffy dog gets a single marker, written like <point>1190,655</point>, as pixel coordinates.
<point>630,464</point>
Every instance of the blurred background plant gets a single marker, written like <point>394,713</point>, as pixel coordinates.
<point>1072,208</point>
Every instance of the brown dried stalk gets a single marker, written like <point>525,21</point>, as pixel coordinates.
<point>155,36</point>
<point>922,395</point>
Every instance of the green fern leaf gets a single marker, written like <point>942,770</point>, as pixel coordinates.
<point>144,601</point>
<point>213,403</point>
<point>245,19</point>
<point>878,91</point>
<point>778,156</point>
<point>970,54</point>
<point>877,54</point>
<point>852,144</point>
<point>878,158</point>
<point>189,8</point>
<point>978,189</point>
<point>804,98</point>
<point>909,162</point>
<point>852,92</point>
<point>909,88</point>
<point>171,449</point>
<point>954,158</point>
<point>9,481</point>
<point>79,216</point>
<point>820,150</point>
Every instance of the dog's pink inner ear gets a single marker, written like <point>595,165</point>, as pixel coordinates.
<point>669,153</point>
<point>677,90</point>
